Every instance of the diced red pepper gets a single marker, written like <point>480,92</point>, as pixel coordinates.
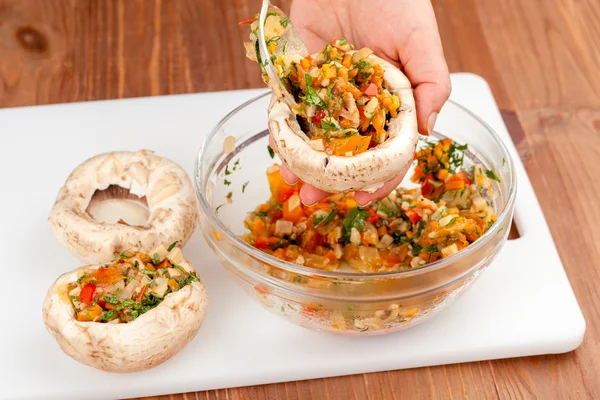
<point>264,243</point>
<point>412,215</point>
<point>319,115</point>
<point>464,177</point>
<point>374,217</point>
<point>427,188</point>
<point>361,112</point>
<point>275,215</point>
<point>371,90</point>
<point>87,293</point>
<point>247,21</point>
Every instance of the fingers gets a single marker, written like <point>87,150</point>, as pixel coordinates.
<point>363,199</point>
<point>310,195</point>
<point>425,66</point>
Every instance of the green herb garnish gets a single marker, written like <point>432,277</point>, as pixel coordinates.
<point>311,96</point>
<point>155,259</point>
<point>284,21</point>
<point>244,186</point>
<point>271,152</point>
<point>172,246</point>
<point>328,124</point>
<point>147,272</point>
<point>490,174</point>
<point>108,315</point>
<point>226,182</point>
<point>111,300</point>
<point>354,219</point>
<point>262,213</point>
<point>325,219</point>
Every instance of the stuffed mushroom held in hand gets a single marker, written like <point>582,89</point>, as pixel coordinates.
<point>355,126</point>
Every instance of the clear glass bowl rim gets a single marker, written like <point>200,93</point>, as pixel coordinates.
<point>302,270</point>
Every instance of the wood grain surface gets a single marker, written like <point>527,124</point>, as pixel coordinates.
<point>541,58</point>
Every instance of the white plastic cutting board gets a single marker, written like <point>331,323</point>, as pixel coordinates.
<point>522,305</point>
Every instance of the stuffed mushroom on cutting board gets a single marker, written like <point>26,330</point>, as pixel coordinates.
<point>128,315</point>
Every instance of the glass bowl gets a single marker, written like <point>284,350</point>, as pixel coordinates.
<point>231,181</point>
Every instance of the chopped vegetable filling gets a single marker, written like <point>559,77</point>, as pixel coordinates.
<point>132,285</point>
<point>409,228</point>
<point>343,101</point>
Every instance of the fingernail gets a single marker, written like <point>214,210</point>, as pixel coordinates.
<point>431,122</point>
<point>289,183</point>
<point>308,205</point>
<point>367,204</point>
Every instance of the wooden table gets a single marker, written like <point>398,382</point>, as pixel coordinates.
<point>541,58</point>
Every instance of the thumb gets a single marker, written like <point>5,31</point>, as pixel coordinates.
<point>425,66</point>
<point>429,99</point>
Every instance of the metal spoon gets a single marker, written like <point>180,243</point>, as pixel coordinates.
<point>293,45</point>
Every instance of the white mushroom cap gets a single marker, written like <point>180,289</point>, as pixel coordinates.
<point>146,342</point>
<point>168,192</point>
<point>366,171</point>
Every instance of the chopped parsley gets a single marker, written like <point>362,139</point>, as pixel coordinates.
<point>311,96</point>
<point>262,213</point>
<point>328,124</point>
<point>363,69</point>
<point>226,182</point>
<point>354,219</point>
<point>218,208</point>
<point>155,259</point>
<point>172,246</point>
<point>329,89</point>
<point>271,152</point>
<point>456,157</point>
<point>324,219</point>
<point>147,272</point>
<point>490,174</point>
<point>244,186</point>
<point>227,171</point>
<point>111,299</point>
<point>384,209</point>
<point>229,195</point>
<point>108,315</point>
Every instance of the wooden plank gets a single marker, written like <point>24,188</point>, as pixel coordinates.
<point>541,59</point>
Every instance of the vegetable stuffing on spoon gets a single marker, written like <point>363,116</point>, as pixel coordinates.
<point>354,125</point>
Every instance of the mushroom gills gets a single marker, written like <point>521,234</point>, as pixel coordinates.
<point>116,205</point>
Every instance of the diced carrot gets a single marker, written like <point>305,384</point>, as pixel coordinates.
<point>331,256</point>
<point>107,275</point>
<point>280,190</point>
<point>142,292</point>
<point>347,61</point>
<point>442,174</point>
<point>165,264</point>
<point>89,314</point>
<point>454,184</point>
<point>292,209</point>
<point>258,226</point>
<point>355,144</point>
<point>356,93</point>
<point>305,64</point>
<point>279,253</point>
<point>351,203</point>
<point>173,284</point>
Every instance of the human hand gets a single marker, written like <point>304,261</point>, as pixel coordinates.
<point>404,32</point>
